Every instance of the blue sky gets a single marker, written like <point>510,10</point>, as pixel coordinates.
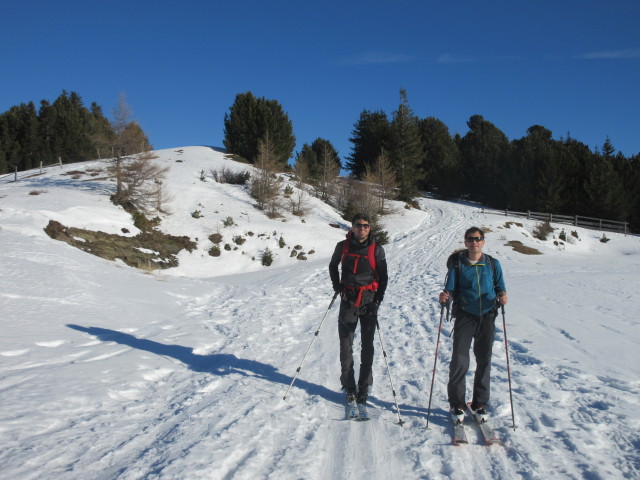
<point>570,66</point>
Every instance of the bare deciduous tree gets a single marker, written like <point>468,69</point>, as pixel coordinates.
<point>356,196</point>
<point>265,186</point>
<point>383,179</point>
<point>297,200</point>
<point>139,180</point>
<point>142,184</point>
<point>329,171</point>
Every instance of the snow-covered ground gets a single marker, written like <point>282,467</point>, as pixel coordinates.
<point>110,372</point>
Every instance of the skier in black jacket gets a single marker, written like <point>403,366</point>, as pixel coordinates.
<point>361,286</point>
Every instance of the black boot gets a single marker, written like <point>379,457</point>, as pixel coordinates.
<point>362,395</point>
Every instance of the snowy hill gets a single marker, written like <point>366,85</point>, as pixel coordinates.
<point>111,372</point>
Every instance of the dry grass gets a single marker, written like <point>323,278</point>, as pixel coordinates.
<point>520,248</point>
<point>163,247</point>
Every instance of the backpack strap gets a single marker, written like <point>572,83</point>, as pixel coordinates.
<point>456,261</point>
<point>492,263</point>
<point>345,249</point>
<point>371,254</point>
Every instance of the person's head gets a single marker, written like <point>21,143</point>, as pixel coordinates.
<point>360,227</point>
<point>474,239</point>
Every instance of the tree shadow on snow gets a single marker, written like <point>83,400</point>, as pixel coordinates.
<point>217,364</point>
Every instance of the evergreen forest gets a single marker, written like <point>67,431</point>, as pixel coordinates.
<point>535,172</point>
<point>65,131</point>
<point>532,173</point>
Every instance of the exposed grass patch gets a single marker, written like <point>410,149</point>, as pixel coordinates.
<point>148,250</point>
<point>542,230</point>
<point>75,173</point>
<point>520,248</point>
<point>215,238</point>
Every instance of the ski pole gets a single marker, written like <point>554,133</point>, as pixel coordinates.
<point>309,348</point>
<point>393,390</point>
<point>435,361</point>
<point>506,349</point>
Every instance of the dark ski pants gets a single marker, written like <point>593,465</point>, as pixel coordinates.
<point>347,323</point>
<point>480,329</point>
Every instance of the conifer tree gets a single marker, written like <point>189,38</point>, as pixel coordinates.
<point>485,152</point>
<point>101,131</point>
<point>248,122</point>
<point>319,157</point>
<point>71,129</point>
<point>441,161</point>
<point>603,188</point>
<point>307,163</point>
<point>63,130</point>
<point>407,152</point>
<point>4,145</point>
<point>608,149</point>
<point>371,134</point>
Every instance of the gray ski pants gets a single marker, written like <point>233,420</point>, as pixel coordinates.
<point>480,330</point>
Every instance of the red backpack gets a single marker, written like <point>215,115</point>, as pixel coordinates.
<point>371,257</point>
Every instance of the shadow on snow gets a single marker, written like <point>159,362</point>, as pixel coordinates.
<point>216,364</point>
<point>225,363</point>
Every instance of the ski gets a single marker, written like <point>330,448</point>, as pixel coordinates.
<point>363,414</point>
<point>459,434</point>
<point>490,437</point>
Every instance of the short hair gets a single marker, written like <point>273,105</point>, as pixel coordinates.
<point>359,216</point>
<point>473,230</point>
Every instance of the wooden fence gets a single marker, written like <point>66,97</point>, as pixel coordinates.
<point>575,220</point>
<point>28,173</point>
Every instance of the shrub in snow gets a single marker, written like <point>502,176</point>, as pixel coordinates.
<point>267,257</point>
<point>542,230</point>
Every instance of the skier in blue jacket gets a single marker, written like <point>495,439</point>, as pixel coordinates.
<point>475,282</point>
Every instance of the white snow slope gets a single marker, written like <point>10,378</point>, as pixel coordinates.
<point>108,372</point>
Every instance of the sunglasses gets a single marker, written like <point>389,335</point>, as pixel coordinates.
<point>474,239</point>
<point>361,225</point>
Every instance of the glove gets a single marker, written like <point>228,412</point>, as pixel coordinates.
<point>338,287</point>
<point>377,298</point>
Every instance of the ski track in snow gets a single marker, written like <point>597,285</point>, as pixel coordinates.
<point>196,389</point>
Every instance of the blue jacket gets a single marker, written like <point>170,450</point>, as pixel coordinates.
<point>477,289</point>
